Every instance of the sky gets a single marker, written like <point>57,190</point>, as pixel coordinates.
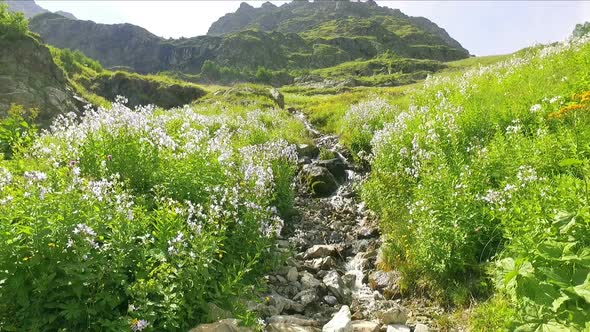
<point>482,27</point>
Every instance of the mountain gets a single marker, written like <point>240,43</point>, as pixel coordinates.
<point>295,37</point>
<point>30,8</point>
<point>300,16</point>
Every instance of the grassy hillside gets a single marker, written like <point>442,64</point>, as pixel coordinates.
<point>479,178</point>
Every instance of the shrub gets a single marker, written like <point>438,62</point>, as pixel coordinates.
<point>182,207</point>
<point>12,25</point>
<point>475,176</point>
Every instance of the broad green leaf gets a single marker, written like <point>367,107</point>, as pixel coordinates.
<point>583,290</point>
<point>559,302</point>
<point>571,162</point>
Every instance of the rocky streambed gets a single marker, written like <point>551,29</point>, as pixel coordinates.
<point>331,281</point>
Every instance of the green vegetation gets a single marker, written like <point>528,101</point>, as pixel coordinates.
<point>12,25</point>
<point>182,206</point>
<point>97,85</point>
<point>486,171</point>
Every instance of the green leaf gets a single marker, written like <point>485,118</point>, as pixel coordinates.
<point>559,302</point>
<point>583,290</point>
<point>571,162</point>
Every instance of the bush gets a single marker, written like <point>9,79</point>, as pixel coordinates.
<point>12,25</point>
<point>182,207</point>
<point>476,176</point>
<point>16,131</point>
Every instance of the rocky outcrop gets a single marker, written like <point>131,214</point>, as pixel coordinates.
<point>297,35</point>
<point>141,90</point>
<point>29,77</point>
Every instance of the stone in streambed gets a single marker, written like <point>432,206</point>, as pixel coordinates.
<point>341,321</point>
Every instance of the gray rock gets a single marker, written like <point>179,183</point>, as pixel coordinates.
<point>277,97</point>
<point>382,280</point>
<point>395,315</point>
<point>281,279</point>
<point>364,326</point>
<point>421,328</point>
<point>319,251</point>
<point>282,304</point>
<point>288,327</point>
<point>309,281</point>
<point>283,319</point>
<point>336,166</point>
<point>336,286</point>
<point>341,321</point>
<point>216,313</point>
<point>331,300</point>
<point>398,328</point>
<point>306,296</point>
<point>292,275</point>
<point>226,325</point>
<point>308,150</point>
<point>319,180</point>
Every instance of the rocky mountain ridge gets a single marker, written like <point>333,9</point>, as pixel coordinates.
<point>294,37</point>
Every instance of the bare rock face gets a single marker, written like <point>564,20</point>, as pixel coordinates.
<point>29,77</point>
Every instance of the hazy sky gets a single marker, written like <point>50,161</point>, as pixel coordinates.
<point>483,27</point>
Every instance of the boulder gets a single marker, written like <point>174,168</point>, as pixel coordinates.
<point>306,296</point>
<point>292,274</point>
<point>421,328</point>
<point>289,327</point>
<point>395,315</point>
<point>282,319</point>
<point>336,166</point>
<point>364,326</point>
<point>398,328</point>
<point>336,286</point>
<point>309,281</point>
<point>341,321</point>
<point>320,251</point>
<point>277,97</point>
<point>308,150</point>
<point>319,180</point>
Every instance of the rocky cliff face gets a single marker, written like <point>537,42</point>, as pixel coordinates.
<point>29,77</point>
<point>294,36</point>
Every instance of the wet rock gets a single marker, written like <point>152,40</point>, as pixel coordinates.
<point>309,281</point>
<point>319,251</point>
<point>336,166</point>
<point>319,180</point>
<point>226,325</point>
<point>421,328</point>
<point>398,328</point>
<point>331,300</point>
<point>364,326</point>
<point>381,280</point>
<point>395,315</point>
<point>287,327</point>
<point>349,280</point>
<point>292,275</point>
<point>308,150</point>
<point>306,296</point>
<point>358,315</point>
<point>341,321</point>
<point>336,286</point>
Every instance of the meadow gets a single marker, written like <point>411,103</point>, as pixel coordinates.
<point>123,217</point>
